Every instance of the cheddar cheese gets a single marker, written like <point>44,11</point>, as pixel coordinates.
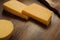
<point>38,12</point>
<point>6,29</point>
<point>15,7</point>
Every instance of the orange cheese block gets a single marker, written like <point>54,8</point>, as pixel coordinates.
<point>6,29</point>
<point>38,12</point>
<point>15,7</point>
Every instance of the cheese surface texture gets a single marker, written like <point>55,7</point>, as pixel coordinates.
<point>6,29</point>
<point>15,7</point>
<point>38,12</point>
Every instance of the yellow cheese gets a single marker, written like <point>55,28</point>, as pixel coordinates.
<point>6,29</point>
<point>15,7</point>
<point>38,12</point>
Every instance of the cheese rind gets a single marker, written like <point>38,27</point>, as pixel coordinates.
<point>6,29</point>
<point>38,12</point>
<point>15,7</point>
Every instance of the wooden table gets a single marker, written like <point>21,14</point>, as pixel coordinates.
<point>31,29</point>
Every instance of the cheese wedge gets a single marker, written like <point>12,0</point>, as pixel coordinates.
<point>6,29</point>
<point>15,7</point>
<point>38,12</point>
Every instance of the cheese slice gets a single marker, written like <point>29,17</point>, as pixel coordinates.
<point>38,12</point>
<point>15,7</point>
<point>6,29</point>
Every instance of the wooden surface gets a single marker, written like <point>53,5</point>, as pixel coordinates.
<point>31,29</point>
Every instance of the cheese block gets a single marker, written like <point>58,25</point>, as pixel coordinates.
<point>15,7</point>
<point>6,29</point>
<point>38,12</point>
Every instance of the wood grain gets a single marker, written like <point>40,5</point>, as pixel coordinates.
<point>31,29</point>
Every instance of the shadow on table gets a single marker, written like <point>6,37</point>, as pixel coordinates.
<point>40,24</point>
<point>9,15</point>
